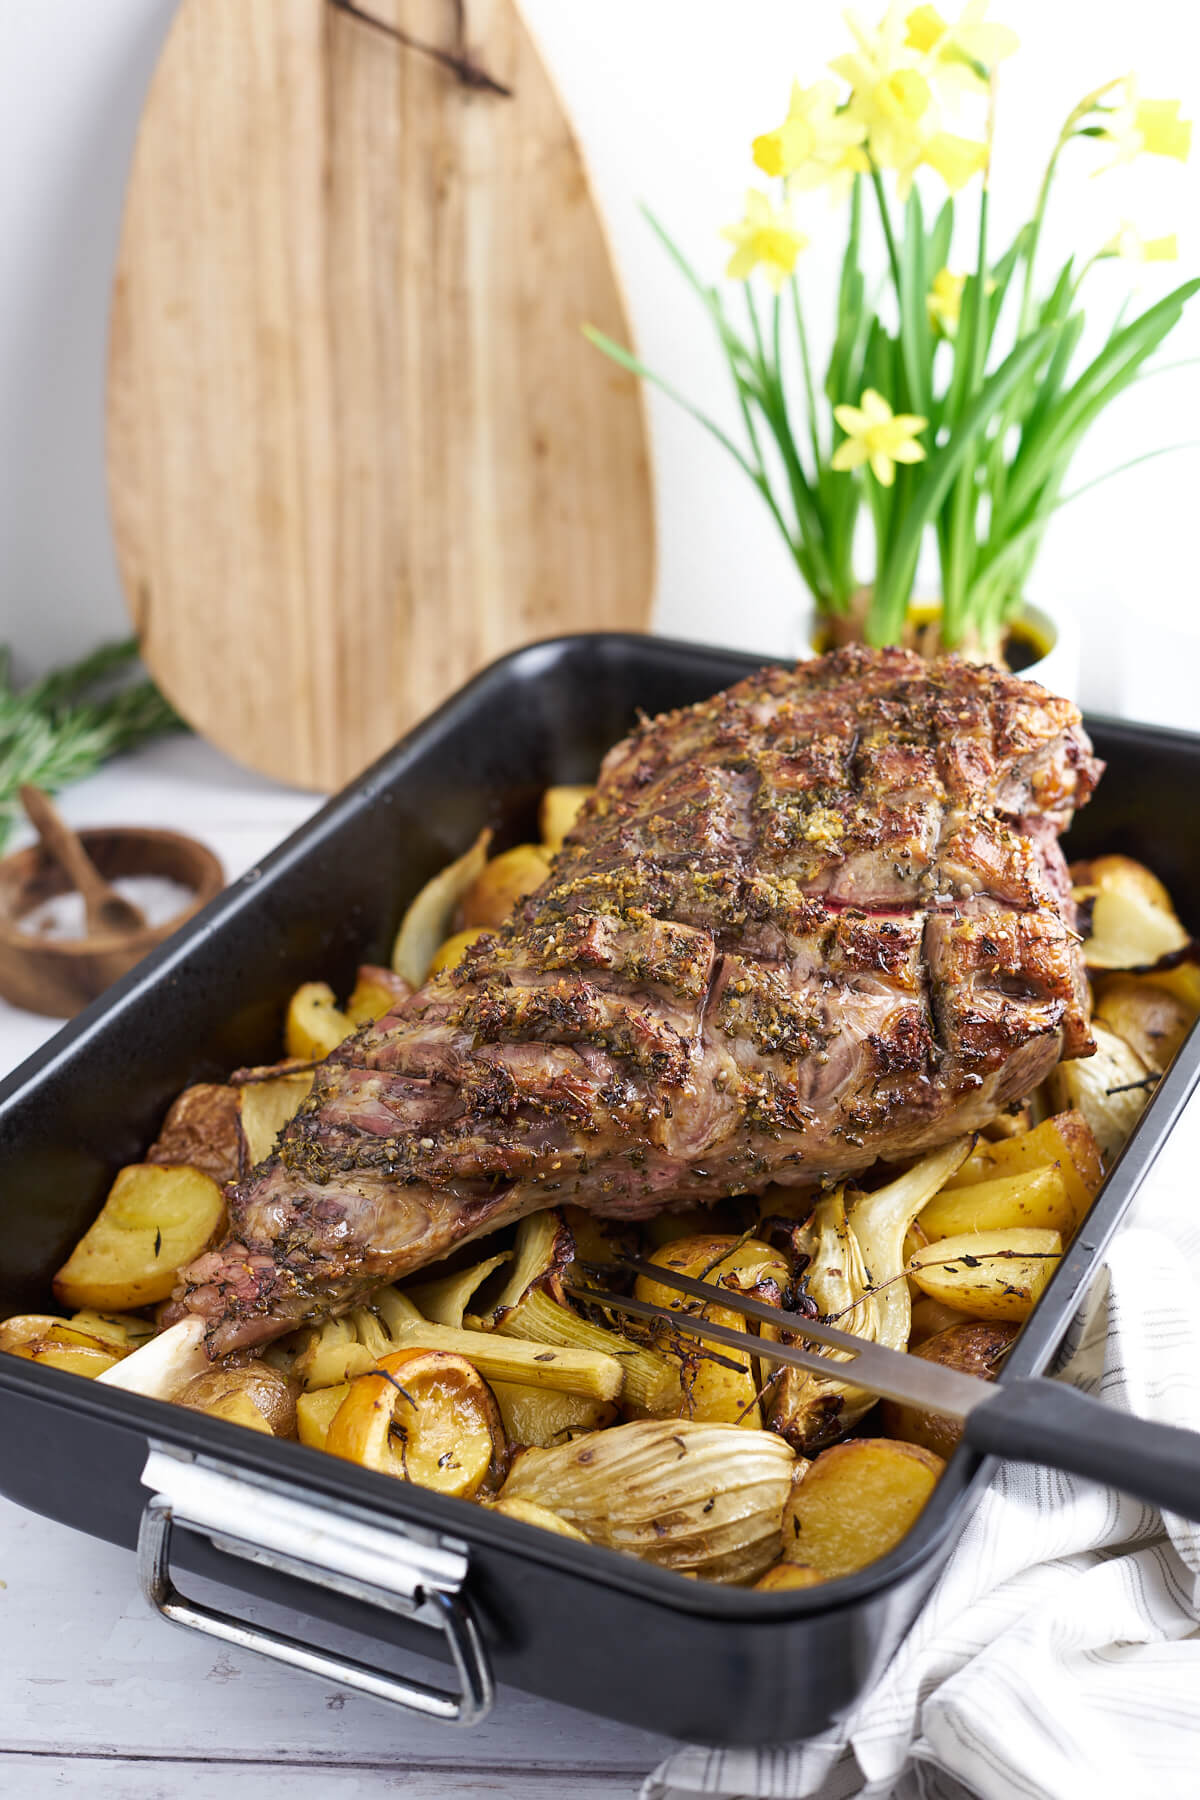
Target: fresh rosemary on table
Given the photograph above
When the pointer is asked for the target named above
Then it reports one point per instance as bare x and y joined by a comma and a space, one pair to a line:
63, 727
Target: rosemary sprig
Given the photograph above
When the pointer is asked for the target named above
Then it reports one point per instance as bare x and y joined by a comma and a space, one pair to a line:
63, 727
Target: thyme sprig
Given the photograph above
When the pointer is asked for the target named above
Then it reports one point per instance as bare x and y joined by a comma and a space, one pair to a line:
67, 724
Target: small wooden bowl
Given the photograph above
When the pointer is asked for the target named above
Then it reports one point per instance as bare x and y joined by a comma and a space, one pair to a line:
58, 976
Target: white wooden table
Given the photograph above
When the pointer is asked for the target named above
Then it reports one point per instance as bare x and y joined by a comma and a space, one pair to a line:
100, 1698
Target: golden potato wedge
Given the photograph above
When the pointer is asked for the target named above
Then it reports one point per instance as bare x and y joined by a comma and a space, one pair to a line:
1182, 981
1133, 922
376, 990
265, 1107
1066, 1140
451, 953
721, 1259
1122, 872
314, 1025
124, 1331
931, 1316
1128, 932
503, 881
237, 1408
856, 1503
155, 1220
57, 1344
991, 1274
316, 1412
88, 1360
201, 1130
1152, 1021
711, 1389
425, 1416
535, 1415
531, 1514
558, 812
1036, 1197
32, 1328
1110, 1089
1011, 1121
260, 1386
785, 1575
977, 1348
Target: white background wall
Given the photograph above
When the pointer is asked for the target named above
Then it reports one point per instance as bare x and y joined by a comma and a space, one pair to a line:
666, 95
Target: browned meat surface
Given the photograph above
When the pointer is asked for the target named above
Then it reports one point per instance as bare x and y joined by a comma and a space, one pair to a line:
820, 918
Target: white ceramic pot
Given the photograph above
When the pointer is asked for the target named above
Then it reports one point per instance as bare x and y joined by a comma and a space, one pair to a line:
1058, 670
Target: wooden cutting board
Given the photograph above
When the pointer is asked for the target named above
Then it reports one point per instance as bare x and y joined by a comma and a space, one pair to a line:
357, 444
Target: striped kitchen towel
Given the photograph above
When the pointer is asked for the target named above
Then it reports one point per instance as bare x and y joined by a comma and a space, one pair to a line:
1058, 1657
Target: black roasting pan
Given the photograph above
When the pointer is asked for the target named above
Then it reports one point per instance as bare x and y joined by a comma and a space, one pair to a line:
278, 1522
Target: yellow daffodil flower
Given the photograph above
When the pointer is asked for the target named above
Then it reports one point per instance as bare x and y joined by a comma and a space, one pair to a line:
955, 159
1162, 131
889, 95
1131, 246
815, 143
963, 53
924, 27
878, 436
1145, 127
894, 112
879, 53
944, 301
892, 97
765, 238
834, 172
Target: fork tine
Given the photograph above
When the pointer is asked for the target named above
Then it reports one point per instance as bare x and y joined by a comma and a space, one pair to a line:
870, 1366
711, 1293
711, 1331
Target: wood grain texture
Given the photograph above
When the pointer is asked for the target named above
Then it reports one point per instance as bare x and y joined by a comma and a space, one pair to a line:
357, 445
100, 1699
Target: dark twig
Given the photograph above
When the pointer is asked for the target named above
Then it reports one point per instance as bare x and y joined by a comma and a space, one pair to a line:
1131, 1087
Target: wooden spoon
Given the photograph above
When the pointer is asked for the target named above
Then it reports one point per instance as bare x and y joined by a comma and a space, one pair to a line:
105, 909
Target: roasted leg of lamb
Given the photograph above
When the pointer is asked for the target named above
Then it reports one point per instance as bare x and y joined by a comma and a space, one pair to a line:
820, 918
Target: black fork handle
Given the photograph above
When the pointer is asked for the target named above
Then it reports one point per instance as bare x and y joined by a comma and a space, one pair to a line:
1052, 1423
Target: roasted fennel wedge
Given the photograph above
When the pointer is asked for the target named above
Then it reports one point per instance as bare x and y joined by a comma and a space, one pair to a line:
855, 1279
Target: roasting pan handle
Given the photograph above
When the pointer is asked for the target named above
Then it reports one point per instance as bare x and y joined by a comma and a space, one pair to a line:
408, 1572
